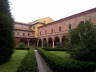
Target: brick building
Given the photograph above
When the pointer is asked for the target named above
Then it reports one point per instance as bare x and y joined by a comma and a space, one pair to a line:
23, 33
28, 33
53, 33
48, 32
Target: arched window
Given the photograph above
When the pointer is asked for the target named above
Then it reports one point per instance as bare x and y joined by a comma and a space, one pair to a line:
51, 30
59, 28
45, 32
18, 33
28, 34
82, 22
69, 26
23, 34
39, 33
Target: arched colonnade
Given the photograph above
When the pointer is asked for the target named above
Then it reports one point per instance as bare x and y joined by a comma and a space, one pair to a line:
51, 42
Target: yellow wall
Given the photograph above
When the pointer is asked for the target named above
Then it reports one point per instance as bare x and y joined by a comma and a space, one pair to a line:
36, 24
35, 28
45, 20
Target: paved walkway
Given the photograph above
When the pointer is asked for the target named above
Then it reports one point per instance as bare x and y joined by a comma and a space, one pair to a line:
42, 66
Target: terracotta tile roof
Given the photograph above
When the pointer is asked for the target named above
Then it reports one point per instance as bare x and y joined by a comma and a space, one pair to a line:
37, 23
22, 23
73, 16
24, 30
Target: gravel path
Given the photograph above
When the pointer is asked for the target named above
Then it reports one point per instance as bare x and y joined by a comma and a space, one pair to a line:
42, 65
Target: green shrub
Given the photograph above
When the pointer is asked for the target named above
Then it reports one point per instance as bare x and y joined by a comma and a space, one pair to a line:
82, 41
21, 45
55, 49
22, 48
6, 32
29, 63
59, 64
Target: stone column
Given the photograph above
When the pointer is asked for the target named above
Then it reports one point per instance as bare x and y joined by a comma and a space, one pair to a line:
53, 45
37, 43
42, 43
60, 39
28, 42
47, 41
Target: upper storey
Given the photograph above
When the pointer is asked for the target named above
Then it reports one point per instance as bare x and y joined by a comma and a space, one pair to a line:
23, 30
45, 20
38, 23
62, 26
22, 26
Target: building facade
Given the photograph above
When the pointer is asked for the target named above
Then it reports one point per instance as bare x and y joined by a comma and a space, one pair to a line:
28, 33
50, 33
38, 23
23, 33
53, 34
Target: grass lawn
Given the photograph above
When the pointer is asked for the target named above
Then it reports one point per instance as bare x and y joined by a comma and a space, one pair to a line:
62, 54
14, 63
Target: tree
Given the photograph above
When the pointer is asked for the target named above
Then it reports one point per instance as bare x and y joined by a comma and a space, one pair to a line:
6, 32
83, 40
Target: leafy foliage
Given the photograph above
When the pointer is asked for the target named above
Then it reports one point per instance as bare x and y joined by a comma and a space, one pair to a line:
83, 40
21, 45
15, 61
29, 63
56, 49
59, 64
6, 32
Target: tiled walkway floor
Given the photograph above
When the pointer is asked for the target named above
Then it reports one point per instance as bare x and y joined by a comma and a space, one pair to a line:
42, 65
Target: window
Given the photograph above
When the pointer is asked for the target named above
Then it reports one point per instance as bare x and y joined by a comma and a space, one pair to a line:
28, 34
51, 30
45, 32
44, 21
59, 28
18, 33
40, 33
33, 27
30, 27
69, 26
23, 34
82, 22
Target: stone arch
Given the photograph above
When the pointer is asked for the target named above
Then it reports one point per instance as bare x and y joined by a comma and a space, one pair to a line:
18, 40
44, 43
33, 42
39, 43
70, 26
63, 41
23, 40
50, 42
57, 42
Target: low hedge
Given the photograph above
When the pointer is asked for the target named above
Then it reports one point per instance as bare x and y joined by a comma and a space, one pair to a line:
22, 48
29, 63
55, 49
59, 64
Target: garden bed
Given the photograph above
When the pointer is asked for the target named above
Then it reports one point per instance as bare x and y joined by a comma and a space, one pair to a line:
14, 62
22, 48
56, 49
65, 63
29, 63
62, 54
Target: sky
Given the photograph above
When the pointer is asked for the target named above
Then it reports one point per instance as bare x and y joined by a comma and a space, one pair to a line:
31, 10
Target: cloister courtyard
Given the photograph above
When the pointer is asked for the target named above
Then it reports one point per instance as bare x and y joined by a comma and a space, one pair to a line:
46, 45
